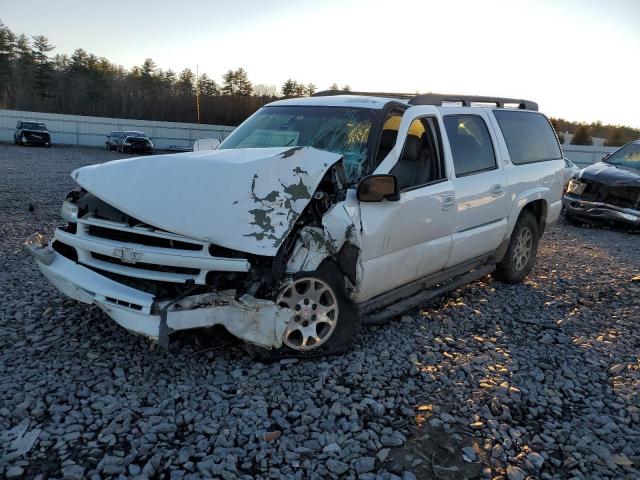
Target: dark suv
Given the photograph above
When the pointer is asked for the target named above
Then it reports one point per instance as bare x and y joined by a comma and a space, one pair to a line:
608, 190
32, 133
135, 142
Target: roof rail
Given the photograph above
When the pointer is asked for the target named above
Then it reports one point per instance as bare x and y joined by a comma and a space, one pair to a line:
466, 100
330, 93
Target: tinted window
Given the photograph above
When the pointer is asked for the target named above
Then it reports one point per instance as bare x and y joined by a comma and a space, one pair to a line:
470, 144
529, 136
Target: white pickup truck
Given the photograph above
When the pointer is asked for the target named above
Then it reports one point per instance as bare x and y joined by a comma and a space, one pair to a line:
314, 215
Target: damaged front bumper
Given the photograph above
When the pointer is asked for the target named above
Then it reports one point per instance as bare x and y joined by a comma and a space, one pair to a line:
600, 211
254, 320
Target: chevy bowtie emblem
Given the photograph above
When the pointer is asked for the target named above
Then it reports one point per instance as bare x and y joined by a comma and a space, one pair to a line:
127, 255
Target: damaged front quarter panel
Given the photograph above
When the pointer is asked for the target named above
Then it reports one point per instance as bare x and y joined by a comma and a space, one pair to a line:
339, 238
254, 320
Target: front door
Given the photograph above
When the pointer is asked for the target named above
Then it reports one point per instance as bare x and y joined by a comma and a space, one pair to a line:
407, 239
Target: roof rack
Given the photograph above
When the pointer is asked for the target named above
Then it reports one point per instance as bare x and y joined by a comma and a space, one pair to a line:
438, 98
467, 100
331, 93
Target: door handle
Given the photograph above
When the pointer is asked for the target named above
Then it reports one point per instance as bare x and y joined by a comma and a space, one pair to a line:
497, 190
448, 202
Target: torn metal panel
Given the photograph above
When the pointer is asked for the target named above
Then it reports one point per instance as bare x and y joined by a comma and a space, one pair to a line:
257, 321
261, 322
315, 244
312, 247
246, 199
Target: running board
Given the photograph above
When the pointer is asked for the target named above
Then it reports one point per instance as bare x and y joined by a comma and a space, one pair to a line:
405, 304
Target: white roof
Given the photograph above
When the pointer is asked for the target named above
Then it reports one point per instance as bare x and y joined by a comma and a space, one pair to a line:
337, 101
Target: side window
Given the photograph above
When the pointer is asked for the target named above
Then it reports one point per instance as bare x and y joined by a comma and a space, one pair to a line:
470, 143
420, 162
528, 135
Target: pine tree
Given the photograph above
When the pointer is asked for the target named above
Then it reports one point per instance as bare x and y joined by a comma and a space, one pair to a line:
7, 56
148, 68
186, 82
207, 87
44, 68
23, 50
236, 82
582, 136
310, 89
615, 138
289, 88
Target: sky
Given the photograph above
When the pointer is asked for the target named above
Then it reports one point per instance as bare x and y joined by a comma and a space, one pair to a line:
579, 59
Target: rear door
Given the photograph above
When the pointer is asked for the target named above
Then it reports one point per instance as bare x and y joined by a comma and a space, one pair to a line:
407, 239
481, 205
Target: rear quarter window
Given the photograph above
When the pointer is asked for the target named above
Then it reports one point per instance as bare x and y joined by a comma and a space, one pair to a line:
529, 136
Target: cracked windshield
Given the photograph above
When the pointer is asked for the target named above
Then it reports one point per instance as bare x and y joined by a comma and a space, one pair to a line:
335, 129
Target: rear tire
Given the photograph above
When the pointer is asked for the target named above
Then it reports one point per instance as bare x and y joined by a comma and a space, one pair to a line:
322, 309
521, 253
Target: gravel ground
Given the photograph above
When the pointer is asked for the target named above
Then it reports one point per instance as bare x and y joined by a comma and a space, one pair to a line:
538, 380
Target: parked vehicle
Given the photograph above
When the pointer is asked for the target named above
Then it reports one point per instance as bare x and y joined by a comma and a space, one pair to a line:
114, 139
31, 133
314, 215
135, 142
608, 190
570, 170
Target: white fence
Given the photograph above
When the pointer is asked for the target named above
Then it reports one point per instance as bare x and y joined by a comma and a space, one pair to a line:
92, 131
585, 155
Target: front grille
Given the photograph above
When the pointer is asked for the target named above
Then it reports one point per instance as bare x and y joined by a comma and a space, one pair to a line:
140, 238
146, 266
623, 197
65, 250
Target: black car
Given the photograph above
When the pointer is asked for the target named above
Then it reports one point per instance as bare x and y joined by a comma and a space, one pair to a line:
31, 133
114, 139
135, 142
608, 190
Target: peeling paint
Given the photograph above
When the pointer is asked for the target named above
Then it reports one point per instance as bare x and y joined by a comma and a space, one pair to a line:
298, 191
253, 197
291, 152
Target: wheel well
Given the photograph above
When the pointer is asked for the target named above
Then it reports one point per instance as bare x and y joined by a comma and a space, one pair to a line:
539, 209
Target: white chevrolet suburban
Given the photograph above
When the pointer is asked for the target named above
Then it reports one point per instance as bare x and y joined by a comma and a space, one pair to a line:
314, 215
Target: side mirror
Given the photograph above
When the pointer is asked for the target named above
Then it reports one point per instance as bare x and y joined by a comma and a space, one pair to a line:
376, 188
206, 144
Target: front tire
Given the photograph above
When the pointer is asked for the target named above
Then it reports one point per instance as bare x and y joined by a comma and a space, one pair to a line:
325, 319
522, 250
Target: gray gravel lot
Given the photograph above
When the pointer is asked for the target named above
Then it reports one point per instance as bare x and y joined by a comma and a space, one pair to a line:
538, 380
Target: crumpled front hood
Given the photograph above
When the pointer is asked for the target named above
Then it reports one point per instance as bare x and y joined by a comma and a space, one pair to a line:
610, 175
244, 199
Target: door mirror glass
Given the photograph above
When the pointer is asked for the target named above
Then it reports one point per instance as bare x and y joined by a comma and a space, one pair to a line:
376, 188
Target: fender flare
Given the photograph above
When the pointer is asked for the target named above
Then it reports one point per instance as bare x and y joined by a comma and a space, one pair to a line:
522, 200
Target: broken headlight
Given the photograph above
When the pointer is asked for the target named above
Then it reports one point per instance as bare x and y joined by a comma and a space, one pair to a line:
576, 187
36, 243
69, 212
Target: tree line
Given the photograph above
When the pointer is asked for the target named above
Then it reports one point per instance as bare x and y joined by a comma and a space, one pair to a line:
33, 79
583, 133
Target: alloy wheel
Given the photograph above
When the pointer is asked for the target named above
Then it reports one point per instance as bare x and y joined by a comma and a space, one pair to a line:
315, 312
522, 251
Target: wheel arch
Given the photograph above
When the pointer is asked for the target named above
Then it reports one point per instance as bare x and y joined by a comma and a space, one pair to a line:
534, 200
